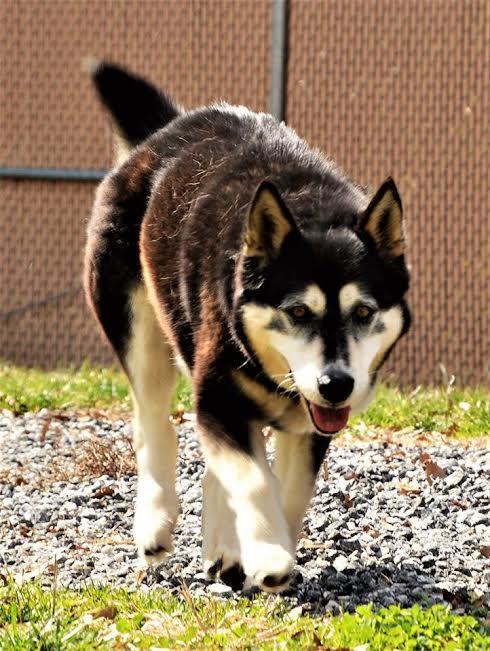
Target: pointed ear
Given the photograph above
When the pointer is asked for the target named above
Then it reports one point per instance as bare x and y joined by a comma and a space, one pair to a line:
269, 222
383, 220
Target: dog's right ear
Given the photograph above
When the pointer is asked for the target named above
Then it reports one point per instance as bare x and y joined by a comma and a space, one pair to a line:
383, 220
269, 223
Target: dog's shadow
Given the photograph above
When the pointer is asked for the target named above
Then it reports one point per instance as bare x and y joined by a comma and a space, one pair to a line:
383, 585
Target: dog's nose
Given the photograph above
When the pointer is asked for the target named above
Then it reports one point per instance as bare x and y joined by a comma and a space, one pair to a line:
335, 385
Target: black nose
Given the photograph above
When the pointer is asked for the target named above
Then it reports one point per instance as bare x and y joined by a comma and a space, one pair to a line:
335, 385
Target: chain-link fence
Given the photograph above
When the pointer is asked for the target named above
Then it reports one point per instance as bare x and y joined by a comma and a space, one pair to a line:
383, 86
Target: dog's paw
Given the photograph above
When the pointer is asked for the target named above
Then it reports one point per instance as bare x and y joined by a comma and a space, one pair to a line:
229, 572
268, 566
221, 557
153, 529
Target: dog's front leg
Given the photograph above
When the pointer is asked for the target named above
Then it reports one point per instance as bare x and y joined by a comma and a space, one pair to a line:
220, 547
298, 459
243, 477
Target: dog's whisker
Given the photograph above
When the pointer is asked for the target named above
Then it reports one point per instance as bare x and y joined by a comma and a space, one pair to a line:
288, 389
286, 381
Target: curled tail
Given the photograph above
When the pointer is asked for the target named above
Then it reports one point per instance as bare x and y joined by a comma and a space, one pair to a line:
137, 107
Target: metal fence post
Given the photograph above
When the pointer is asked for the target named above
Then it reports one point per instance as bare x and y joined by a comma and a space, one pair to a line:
279, 44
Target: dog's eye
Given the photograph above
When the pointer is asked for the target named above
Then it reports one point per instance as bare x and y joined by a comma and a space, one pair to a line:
363, 313
299, 313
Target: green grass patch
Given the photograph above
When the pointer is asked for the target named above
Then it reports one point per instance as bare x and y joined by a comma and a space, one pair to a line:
452, 411
30, 389
101, 618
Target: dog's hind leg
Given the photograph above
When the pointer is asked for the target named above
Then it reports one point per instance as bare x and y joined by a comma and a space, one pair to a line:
298, 459
152, 374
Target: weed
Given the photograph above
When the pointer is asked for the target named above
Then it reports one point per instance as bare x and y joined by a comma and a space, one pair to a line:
33, 618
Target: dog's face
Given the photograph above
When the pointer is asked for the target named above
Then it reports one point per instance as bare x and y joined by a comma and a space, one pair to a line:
322, 310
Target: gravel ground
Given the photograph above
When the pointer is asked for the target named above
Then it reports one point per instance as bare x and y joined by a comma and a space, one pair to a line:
391, 524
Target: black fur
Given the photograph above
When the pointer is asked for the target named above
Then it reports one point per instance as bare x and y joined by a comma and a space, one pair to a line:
112, 263
138, 108
182, 202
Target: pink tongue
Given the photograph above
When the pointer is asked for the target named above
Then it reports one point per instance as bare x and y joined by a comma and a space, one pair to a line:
327, 419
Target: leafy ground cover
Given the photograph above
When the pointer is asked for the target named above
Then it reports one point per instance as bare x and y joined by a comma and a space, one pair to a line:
451, 411
100, 618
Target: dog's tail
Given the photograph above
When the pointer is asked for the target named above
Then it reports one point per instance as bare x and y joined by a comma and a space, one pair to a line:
137, 107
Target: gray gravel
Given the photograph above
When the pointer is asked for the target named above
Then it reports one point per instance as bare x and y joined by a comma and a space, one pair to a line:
377, 531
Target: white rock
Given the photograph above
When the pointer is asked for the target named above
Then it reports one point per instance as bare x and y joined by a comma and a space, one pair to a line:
340, 563
219, 589
455, 478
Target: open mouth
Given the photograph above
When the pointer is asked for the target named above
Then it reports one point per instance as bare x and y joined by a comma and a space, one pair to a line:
327, 419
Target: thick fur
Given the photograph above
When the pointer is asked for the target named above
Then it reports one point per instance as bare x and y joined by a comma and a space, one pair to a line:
226, 242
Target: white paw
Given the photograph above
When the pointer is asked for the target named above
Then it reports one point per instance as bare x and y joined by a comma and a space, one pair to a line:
153, 528
268, 566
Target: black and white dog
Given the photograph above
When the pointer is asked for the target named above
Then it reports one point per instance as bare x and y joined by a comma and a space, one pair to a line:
223, 243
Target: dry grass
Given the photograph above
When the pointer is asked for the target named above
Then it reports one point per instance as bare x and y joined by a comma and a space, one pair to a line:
92, 457
99, 458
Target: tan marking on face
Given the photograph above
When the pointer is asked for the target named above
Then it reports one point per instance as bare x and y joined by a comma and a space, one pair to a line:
290, 416
365, 355
277, 315
256, 318
393, 322
315, 299
349, 295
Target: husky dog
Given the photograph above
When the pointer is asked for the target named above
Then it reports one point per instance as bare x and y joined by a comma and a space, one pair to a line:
223, 242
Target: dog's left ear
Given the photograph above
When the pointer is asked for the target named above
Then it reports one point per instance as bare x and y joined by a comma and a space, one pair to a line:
269, 223
383, 220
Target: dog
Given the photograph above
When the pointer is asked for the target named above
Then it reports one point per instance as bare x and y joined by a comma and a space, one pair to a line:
222, 243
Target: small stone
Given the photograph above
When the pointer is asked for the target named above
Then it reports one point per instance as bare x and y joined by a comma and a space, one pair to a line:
454, 479
333, 607
427, 560
478, 518
294, 613
201, 576
219, 589
340, 563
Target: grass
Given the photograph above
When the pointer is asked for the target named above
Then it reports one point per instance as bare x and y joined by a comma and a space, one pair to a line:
101, 618
460, 412
32, 617
30, 389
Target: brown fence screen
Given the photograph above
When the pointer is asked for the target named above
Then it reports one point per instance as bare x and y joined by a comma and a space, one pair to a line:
198, 50
390, 87
383, 86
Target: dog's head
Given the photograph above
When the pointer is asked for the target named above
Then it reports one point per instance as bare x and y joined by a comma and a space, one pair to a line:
321, 310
